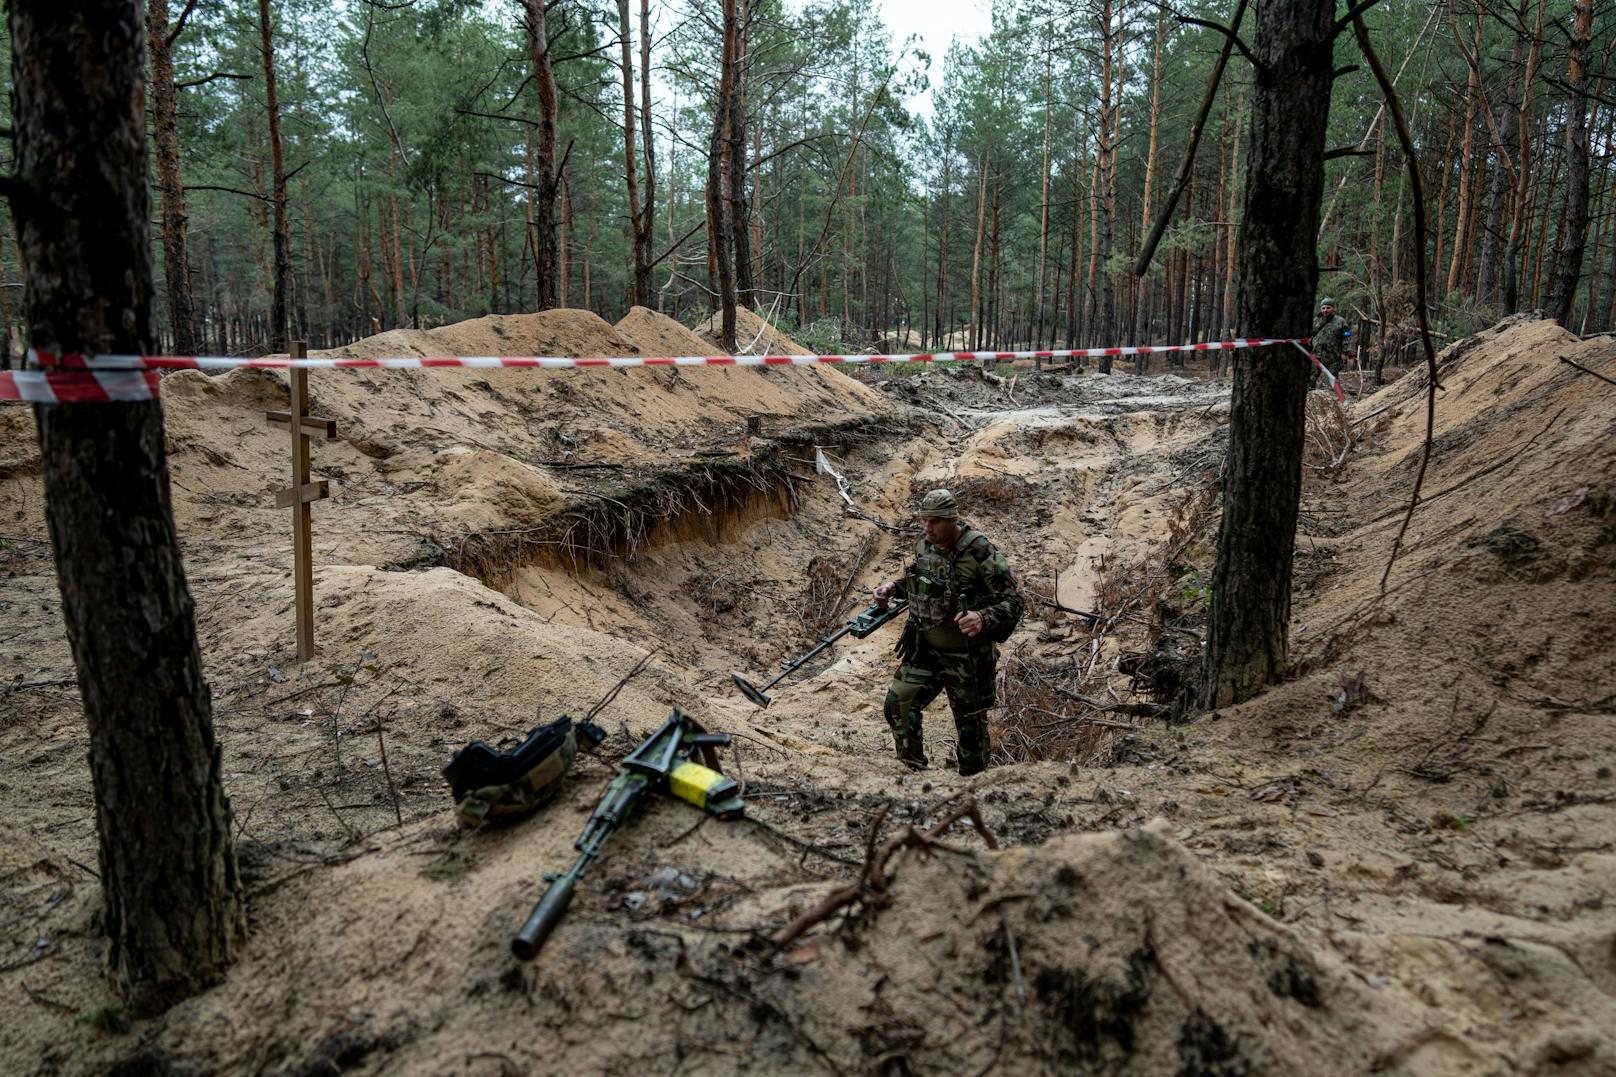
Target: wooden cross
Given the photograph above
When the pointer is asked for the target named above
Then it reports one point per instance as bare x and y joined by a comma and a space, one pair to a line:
302, 492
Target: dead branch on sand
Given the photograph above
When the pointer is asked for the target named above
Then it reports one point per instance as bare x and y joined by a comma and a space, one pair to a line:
872, 881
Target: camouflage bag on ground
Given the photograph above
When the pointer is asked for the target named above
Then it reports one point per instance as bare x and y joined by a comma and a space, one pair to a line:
507, 783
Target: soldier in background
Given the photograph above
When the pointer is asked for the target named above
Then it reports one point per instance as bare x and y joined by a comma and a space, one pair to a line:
1329, 339
963, 602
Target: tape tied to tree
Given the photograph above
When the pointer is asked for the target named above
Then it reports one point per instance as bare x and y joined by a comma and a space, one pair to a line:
72, 379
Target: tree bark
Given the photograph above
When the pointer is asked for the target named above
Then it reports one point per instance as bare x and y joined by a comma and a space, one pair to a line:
283, 234
1106, 161
720, 174
1568, 257
172, 898
648, 206
544, 223
1043, 201
639, 220
976, 252
1461, 227
165, 129
735, 160
1141, 323
1500, 188
944, 329
1523, 171
1247, 646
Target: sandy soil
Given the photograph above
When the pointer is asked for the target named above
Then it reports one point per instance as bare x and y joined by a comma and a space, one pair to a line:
753, 336
1413, 878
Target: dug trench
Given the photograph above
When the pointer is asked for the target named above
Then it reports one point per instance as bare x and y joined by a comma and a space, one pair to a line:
1399, 861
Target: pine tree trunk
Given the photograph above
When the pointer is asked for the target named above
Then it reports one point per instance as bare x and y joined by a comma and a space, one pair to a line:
1568, 254
1043, 201
1445, 167
310, 264
1080, 164
564, 245
1461, 227
1499, 189
639, 221
170, 184
544, 224
735, 161
1536, 248
944, 330
5, 306
283, 231
648, 204
1141, 323
976, 252
172, 899
1106, 162
1523, 170
1247, 646
720, 201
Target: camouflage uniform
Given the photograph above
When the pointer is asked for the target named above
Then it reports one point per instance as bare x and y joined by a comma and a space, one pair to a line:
937, 657
1329, 342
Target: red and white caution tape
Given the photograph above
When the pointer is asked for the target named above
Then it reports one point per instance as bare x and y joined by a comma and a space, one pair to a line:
69, 378
78, 386
1335, 382
51, 360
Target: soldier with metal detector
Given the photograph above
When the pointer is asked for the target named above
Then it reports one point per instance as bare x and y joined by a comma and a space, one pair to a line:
963, 601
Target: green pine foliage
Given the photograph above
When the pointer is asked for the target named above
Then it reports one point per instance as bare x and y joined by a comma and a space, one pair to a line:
408, 134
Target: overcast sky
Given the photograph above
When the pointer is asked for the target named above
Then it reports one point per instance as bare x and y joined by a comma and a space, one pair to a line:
936, 22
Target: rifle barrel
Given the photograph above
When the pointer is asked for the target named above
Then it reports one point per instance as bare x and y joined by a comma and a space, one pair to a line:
546, 914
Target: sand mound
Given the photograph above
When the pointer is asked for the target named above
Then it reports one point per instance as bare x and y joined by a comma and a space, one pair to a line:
658, 334
753, 335
552, 332
1057, 956
1115, 953
563, 331
394, 342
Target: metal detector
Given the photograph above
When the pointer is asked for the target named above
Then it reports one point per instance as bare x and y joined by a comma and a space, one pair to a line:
859, 627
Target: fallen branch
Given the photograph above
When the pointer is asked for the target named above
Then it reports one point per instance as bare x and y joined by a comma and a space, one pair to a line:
1389, 92
639, 667
872, 881
20, 685
1585, 370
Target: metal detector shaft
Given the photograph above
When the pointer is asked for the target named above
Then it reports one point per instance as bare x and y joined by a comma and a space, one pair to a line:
860, 626
820, 646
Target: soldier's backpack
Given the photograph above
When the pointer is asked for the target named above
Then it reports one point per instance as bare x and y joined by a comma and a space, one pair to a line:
507, 783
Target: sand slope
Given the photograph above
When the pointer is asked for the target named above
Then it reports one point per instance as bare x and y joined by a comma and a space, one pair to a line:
1418, 883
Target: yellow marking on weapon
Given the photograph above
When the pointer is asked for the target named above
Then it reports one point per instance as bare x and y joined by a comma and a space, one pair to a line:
692, 782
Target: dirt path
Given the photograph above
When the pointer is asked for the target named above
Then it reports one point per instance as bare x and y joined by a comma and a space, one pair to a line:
1416, 879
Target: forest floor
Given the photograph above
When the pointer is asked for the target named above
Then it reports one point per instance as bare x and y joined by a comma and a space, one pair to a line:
1399, 861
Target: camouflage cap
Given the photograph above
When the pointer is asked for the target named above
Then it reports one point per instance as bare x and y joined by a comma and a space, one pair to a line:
939, 505
1326, 302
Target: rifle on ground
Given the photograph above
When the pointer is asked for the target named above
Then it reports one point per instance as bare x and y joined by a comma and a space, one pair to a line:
666, 762
858, 627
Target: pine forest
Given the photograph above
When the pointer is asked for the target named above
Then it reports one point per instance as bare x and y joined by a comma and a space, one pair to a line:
419, 163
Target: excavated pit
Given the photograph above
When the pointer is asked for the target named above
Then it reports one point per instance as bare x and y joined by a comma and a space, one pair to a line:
1399, 861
